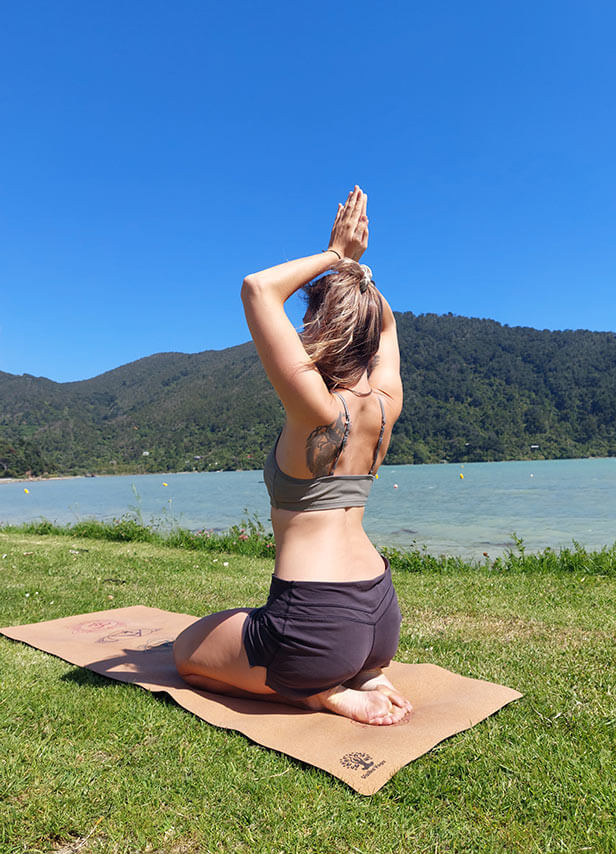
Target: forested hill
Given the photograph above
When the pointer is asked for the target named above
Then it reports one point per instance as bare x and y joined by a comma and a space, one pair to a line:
474, 390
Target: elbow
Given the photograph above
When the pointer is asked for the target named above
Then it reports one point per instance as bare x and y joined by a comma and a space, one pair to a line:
249, 288
254, 289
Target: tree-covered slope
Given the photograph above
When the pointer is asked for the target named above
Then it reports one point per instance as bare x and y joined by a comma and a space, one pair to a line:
474, 390
477, 390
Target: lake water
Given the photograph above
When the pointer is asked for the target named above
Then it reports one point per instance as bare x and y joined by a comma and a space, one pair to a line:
547, 503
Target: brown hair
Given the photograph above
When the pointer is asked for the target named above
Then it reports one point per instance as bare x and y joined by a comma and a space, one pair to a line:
342, 324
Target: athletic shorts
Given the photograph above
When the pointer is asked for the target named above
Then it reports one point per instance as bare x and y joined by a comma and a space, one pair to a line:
314, 635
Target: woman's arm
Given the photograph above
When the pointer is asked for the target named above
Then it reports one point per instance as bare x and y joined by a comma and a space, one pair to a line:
349, 239
385, 376
281, 281
297, 381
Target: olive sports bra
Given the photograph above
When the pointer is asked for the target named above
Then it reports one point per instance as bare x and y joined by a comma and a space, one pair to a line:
321, 493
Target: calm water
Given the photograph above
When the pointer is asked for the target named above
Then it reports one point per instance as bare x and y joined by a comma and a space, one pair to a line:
547, 503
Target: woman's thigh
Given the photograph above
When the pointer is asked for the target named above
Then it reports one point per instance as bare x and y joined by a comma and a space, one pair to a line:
212, 648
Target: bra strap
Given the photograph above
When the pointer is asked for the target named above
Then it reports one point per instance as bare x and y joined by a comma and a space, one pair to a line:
347, 427
378, 444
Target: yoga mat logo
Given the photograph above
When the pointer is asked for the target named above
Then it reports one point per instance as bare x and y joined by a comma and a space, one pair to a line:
360, 762
90, 626
126, 633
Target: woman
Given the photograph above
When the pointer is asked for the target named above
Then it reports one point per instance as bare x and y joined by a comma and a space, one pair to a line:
332, 620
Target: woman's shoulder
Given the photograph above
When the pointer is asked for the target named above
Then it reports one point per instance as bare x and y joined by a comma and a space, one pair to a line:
391, 399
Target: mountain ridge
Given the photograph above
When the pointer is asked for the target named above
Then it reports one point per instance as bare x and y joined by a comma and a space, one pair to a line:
475, 389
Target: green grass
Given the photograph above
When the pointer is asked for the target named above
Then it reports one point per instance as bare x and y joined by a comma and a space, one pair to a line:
251, 538
88, 764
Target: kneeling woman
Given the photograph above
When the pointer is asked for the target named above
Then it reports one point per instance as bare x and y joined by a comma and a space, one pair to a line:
332, 620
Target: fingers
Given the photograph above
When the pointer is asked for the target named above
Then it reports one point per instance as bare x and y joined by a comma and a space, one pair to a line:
346, 209
353, 208
350, 227
356, 201
356, 204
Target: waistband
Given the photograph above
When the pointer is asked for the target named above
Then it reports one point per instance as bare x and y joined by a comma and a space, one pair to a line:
363, 585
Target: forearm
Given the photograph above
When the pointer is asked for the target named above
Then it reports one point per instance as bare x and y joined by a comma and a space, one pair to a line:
284, 279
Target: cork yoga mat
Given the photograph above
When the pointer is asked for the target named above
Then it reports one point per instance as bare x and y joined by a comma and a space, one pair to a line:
134, 645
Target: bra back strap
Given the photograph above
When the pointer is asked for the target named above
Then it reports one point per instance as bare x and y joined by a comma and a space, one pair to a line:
379, 443
347, 427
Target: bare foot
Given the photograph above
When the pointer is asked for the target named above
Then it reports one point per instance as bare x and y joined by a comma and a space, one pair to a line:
375, 680
374, 707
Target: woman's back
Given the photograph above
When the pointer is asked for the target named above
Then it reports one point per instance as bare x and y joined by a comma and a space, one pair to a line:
354, 443
319, 478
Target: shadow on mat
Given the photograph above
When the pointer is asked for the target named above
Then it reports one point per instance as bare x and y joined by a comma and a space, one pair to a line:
153, 668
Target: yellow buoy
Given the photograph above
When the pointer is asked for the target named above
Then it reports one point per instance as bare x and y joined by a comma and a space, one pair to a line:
26, 490
461, 476
165, 484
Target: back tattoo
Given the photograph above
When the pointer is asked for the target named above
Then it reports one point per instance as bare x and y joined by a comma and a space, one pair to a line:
322, 446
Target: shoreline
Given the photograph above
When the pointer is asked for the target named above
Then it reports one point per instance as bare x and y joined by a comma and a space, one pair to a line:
43, 479
52, 477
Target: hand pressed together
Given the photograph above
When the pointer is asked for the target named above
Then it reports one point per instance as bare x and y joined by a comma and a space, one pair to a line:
349, 235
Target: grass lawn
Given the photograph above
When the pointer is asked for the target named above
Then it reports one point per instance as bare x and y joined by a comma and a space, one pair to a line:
89, 764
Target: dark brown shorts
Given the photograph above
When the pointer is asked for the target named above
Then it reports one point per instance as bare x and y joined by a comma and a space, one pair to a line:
314, 635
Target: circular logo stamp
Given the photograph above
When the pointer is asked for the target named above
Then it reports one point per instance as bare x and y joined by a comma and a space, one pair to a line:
92, 626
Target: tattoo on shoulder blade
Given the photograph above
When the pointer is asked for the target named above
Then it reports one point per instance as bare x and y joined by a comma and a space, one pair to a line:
322, 445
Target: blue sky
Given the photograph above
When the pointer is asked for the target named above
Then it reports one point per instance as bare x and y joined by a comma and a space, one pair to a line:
153, 153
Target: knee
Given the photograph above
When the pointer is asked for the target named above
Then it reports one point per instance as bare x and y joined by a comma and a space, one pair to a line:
181, 654
189, 648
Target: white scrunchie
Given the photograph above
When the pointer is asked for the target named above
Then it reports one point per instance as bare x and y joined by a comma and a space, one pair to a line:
366, 278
